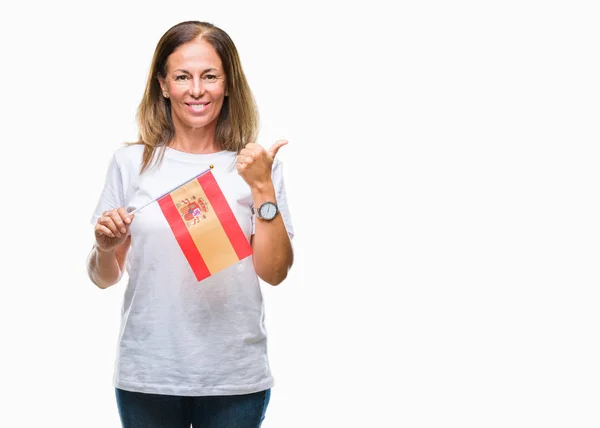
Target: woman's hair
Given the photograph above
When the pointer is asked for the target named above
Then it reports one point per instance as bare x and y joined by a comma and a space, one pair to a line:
237, 123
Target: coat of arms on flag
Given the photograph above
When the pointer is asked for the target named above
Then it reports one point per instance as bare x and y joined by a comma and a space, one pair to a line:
204, 225
192, 209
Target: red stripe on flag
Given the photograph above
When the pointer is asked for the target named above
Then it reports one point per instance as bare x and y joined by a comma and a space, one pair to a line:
184, 239
228, 221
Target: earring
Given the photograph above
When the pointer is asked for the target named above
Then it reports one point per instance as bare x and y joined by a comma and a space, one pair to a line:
165, 95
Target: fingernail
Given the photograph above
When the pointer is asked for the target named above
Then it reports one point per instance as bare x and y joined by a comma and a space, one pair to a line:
123, 230
127, 219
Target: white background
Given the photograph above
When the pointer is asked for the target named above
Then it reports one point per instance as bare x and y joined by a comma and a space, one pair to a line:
443, 178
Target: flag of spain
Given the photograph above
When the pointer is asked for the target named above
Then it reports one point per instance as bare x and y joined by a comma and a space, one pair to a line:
204, 225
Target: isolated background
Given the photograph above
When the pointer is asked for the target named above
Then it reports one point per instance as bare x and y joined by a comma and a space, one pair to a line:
443, 178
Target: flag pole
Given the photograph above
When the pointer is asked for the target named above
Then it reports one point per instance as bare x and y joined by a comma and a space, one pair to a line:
166, 193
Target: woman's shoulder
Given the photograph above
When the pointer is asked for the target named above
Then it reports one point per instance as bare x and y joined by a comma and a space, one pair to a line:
129, 156
129, 151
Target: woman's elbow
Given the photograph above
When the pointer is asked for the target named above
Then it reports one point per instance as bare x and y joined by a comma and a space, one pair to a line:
101, 284
100, 281
275, 278
274, 275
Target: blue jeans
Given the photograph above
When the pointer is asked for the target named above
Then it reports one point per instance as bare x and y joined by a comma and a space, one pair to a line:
138, 410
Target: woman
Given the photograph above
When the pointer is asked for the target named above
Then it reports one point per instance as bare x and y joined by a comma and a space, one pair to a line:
192, 352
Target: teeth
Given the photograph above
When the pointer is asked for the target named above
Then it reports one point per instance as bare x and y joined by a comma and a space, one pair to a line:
197, 106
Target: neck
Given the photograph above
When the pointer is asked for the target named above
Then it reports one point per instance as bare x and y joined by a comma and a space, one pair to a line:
195, 140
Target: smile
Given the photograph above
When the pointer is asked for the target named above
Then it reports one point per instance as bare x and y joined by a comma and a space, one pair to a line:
197, 107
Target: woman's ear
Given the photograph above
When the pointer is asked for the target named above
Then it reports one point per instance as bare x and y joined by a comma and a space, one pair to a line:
163, 86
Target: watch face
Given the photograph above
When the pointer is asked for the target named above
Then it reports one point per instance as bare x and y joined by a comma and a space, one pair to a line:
268, 210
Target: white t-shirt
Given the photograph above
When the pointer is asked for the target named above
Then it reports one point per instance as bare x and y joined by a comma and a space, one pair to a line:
179, 336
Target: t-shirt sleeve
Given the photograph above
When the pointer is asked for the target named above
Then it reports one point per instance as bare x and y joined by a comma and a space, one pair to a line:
112, 195
281, 196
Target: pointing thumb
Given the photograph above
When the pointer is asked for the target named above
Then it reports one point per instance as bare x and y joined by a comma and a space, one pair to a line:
275, 147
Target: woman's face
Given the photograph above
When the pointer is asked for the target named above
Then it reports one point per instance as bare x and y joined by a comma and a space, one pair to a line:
195, 83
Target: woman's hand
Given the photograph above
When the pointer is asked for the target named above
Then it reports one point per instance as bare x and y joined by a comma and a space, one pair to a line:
255, 162
112, 228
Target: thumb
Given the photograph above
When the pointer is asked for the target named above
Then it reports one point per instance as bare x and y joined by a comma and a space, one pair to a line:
275, 147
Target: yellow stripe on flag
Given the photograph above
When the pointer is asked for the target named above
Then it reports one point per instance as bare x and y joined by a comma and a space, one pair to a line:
208, 234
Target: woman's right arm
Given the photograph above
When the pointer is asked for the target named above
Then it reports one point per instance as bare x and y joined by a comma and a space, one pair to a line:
106, 261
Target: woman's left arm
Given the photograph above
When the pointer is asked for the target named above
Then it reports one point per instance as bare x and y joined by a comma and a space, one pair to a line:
271, 245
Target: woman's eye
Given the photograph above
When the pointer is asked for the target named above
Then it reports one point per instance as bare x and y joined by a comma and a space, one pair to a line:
182, 77
210, 77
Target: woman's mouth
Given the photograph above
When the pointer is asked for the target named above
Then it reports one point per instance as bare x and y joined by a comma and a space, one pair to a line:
197, 107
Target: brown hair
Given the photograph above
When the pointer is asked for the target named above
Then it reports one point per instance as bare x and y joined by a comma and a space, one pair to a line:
237, 124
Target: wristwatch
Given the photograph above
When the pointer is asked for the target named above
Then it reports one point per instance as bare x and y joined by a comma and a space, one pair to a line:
267, 211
